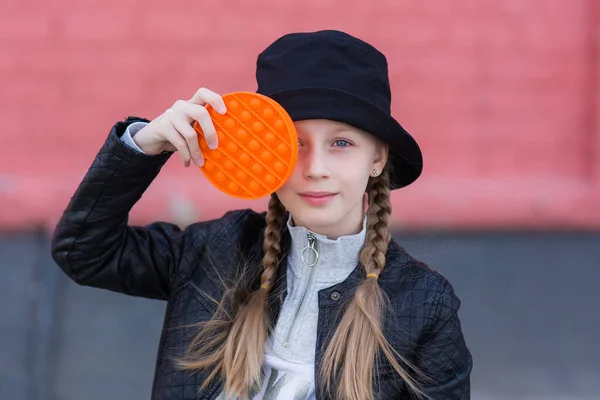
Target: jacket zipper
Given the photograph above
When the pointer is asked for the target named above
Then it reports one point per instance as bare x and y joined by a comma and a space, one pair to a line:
310, 249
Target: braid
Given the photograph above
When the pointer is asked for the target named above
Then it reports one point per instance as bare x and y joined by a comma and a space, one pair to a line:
349, 358
378, 235
244, 350
233, 347
271, 244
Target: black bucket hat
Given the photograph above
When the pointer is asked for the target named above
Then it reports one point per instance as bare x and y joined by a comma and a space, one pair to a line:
332, 75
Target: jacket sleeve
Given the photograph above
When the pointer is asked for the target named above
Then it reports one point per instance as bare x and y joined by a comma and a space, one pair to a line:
130, 132
93, 243
444, 357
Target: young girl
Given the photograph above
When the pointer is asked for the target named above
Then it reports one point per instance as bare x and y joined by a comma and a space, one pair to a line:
312, 299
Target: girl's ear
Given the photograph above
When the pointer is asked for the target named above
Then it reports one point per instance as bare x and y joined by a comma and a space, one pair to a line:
380, 159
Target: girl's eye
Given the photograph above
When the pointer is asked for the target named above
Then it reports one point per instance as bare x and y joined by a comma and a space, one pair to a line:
341, 143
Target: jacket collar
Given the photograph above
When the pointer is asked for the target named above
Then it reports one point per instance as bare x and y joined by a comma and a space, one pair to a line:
396, 258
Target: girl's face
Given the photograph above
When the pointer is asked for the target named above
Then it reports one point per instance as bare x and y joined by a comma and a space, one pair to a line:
326, 190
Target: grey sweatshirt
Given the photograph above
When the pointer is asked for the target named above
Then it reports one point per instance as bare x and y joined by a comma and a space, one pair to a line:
290, 350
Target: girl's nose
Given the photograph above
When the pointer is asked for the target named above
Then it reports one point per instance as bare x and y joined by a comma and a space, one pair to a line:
315, 165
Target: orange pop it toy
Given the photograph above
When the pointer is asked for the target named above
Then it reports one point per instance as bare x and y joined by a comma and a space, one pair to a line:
258, 146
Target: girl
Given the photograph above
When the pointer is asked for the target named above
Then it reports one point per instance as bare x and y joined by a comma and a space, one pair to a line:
312, 299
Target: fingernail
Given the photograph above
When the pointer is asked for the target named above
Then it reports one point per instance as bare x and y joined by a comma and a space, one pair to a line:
222, 110
213, 145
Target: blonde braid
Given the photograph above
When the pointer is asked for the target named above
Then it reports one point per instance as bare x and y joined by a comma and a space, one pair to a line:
350, 357
271, 244
244, 350
378, 236
233, 348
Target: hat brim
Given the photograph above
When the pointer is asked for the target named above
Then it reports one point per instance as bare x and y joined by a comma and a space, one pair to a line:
405, 156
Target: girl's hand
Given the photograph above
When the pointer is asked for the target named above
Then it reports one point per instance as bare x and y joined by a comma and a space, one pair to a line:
173, 131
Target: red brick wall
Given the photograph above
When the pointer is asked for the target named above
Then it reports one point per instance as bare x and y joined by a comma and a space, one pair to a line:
503, 96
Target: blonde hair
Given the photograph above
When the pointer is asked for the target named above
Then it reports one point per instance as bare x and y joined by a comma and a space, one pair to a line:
232, 343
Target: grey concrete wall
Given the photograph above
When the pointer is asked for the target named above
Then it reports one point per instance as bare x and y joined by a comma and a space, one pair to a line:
530, 316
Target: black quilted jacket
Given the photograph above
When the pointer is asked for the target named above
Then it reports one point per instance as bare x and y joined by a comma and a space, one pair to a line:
94, 245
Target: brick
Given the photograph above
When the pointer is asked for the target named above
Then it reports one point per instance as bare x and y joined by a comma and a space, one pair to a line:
24, 91
8, 59
105, 88
177, 24
537, 160
16, 26
93, 24
85, 59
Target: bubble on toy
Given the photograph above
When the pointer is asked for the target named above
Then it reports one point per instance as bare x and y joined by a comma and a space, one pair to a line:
270, 138
233, 105
270, 179
230, 124
255, 104
246, 116
279, 125
233, 187
209, 166
229, 165
282, 149
254, 187
241, 175
266, 156
257, 169
279, 167
242, 135
268, 114
258, 127
221, 177
245, 158
254, 145
232, 148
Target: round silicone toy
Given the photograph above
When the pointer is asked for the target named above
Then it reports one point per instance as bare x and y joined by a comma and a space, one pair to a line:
257, 150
